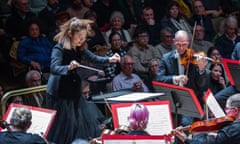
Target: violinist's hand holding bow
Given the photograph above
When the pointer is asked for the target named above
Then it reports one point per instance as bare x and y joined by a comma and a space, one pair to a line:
202, 63
115, 58
180, 134
181, 79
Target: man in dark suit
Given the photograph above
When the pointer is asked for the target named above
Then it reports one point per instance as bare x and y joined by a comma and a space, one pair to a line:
174, 69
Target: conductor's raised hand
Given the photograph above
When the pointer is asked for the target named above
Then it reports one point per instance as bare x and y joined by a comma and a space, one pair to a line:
115, 58
73, 64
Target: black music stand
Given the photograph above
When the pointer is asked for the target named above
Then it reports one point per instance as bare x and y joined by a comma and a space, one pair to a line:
183, 100
232, 68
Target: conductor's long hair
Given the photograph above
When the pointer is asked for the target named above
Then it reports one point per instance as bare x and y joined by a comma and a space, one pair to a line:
73, 25
138, 117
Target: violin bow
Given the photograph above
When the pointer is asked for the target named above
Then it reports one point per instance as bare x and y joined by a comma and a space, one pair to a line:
90, 68
105, 100
191, 44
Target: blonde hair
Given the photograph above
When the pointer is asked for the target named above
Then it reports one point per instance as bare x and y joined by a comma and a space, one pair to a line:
73, 25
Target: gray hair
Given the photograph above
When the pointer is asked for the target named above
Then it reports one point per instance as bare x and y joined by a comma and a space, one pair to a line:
230, 19
30, 73
234, 100
117, 14
166, 29
21, 118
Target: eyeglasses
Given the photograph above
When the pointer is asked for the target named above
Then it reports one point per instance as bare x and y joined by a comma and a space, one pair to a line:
183, 44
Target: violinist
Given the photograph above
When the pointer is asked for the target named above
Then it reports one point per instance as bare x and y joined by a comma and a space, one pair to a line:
138, 119
228, 134
20, 121
174, 69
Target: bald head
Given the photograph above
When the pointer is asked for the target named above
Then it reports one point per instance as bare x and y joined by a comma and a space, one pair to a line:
181, 41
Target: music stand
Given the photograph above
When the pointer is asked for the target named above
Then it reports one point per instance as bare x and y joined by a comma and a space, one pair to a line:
232, 68
183, 100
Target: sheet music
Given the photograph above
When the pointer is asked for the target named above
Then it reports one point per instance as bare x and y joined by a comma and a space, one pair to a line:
40, 121
159, 119
137, 96
214, 106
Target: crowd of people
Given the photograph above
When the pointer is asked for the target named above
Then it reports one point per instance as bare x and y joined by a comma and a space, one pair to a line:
128, 44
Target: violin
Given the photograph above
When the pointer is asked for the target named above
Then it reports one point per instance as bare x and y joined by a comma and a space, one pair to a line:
190, 57
207, 125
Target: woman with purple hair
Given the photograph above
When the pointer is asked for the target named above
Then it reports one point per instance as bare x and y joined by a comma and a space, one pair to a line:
138, 119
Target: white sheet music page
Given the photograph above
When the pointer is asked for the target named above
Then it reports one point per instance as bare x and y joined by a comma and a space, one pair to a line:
136, 96
41, 118
160, 121
213, 105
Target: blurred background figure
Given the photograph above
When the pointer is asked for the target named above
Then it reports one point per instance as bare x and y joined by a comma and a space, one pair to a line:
138, 119
153, 68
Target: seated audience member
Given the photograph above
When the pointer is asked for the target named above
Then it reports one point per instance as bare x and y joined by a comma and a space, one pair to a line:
153, 68
115, 40
127, 79
117, 21
20, 122
152, 27
229, 39
48, 18
228, 134
33, 79
138, 119
77, 9
214, 53
95, 40
35, 50
142, 52
199, 44
16, 24
202, 19
236, 52
175, 20
166, 45
14, 99
217, 80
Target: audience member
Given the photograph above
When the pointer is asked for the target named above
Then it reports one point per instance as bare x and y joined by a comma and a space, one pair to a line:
117, 21
175, 20
153, 28
225, 135
48, 18
236, 52
20, 121
95, 39
127, 79
217, 80
166, 37
35, 50
104, 9
201, 19
153, 68
142, 52
138, 119
199, 44
77, 9
173, 72
16, 24
228, 40
115, 40
214, 53
33, 79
